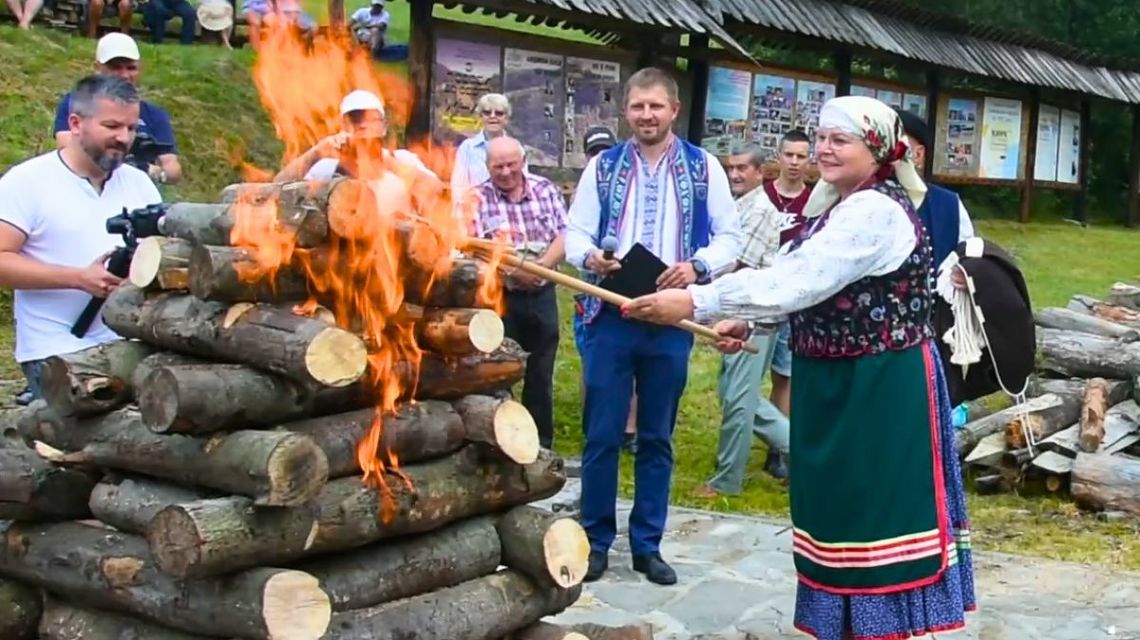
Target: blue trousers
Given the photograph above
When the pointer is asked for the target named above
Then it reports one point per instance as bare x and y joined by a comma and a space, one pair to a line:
619, 354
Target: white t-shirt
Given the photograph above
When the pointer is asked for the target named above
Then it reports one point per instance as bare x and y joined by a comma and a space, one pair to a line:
64, 219
364, 17
325, 168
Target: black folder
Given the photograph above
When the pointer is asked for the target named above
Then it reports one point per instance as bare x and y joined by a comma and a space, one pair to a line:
638, 274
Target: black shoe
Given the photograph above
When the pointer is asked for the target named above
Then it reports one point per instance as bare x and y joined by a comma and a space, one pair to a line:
655, 569
629, 443
599, 562
775, 466
24, 398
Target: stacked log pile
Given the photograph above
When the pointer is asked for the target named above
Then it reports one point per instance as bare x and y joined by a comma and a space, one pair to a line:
1083, 412
214, 473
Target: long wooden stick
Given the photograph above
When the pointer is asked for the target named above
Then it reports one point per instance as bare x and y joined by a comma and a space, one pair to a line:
511, 258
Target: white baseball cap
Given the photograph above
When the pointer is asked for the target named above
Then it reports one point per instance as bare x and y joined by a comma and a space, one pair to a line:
116, 45
361, 100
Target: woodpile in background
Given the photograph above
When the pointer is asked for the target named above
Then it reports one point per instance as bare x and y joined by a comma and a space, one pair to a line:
1082, 411
201, 476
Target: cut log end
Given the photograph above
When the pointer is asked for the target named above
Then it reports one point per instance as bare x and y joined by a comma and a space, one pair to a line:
336, 358
294, 606
298, 468
146, 262
516, 432
486, 331
158, 402
567, 550
174, 539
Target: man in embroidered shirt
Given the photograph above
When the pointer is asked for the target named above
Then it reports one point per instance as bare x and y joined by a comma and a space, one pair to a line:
531, 211
673, 198
744, 410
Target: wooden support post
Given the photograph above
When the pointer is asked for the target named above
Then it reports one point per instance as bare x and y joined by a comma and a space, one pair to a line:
336, 14
1080, 203
841, 60
421, 54
700, 71
1134, 171
933, 95
1030, 157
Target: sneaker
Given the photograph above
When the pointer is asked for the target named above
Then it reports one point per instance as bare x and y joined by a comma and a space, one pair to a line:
655, 568
775, 466
24, 398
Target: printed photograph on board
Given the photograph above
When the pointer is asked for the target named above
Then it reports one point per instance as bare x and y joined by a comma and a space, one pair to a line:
810, 98
534, 83
463, 72
726, 109
961, 134
593, 98
773, 101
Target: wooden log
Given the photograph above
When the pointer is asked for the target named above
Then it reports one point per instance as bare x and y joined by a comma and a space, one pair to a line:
1043, 422
552, 551
641, 631
32, 488
546, 631
161, 263
63, 621
271, 467
197, 223
128, 503
460, 332
112, 570
211, 537
297, 206
1125, 295
232, 274
1068, 405
1082, 355
307, 350
1069, 320
409, 566
501, 423
444, 378
1106, 482
1104, 311
1093, 408
94, 380
487, 607
152, 363
459, 287
20, 610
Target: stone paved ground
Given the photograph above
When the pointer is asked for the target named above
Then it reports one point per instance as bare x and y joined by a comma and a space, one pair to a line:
737, 583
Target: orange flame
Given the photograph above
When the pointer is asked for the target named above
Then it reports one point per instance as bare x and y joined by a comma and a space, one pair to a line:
392, 223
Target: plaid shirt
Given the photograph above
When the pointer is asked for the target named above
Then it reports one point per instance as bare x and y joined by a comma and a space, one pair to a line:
760, 223
538, 218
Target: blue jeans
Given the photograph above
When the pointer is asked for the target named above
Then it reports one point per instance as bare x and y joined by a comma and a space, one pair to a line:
32, 371
782, 356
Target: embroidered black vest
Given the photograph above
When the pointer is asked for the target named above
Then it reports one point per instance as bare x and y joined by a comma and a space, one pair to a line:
875, 314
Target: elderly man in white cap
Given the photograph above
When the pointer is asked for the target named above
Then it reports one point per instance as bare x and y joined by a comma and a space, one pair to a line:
154, 150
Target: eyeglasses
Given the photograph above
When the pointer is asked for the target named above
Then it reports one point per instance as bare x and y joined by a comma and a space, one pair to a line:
494, 112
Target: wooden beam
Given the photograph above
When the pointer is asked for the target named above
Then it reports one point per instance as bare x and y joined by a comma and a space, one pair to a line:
421, 54
699, 101
1030, 157
841, 60
1134, 171
933, 95
1080, 203
336, 14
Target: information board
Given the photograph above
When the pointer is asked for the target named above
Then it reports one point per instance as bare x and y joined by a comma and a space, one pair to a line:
462, 72
1000, 145
1048, 143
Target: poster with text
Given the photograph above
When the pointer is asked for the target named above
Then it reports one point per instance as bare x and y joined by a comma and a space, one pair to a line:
890, 98
915, 103
810, 98
463, 72
773, 103
1048, 143
726, 109
533, 82
1069, 156
961, 136
867, 92
1001, 139
593, 98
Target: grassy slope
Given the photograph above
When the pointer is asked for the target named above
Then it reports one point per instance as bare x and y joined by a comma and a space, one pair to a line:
216, 113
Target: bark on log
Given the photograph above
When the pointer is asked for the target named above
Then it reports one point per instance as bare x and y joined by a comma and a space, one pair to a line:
1085, 356
501, 423
1069, 320
1094, 406
113, 570
128, 503
487, 607
1106, 482
211, 537
409, 566
546, 631
152, 363
1118, 390
20, 610
298, 206
593, 631
442, 378
460, 332
1067, 404
1125, 295
94, 380
161, 263
32, 488
307, 350
70, 622
1044, 422
458, 288
552, 551
272, 467
232, 274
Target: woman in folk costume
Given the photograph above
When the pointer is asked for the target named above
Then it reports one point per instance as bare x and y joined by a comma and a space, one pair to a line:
881, 542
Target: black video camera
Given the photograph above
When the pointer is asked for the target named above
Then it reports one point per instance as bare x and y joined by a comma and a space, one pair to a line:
132, 225
145, 151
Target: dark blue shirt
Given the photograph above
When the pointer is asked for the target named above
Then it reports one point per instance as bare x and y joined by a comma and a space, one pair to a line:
153, 121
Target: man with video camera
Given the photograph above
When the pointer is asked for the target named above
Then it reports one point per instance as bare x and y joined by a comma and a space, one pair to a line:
154, 150
54, 209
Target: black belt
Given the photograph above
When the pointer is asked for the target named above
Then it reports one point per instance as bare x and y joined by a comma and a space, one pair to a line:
531, 292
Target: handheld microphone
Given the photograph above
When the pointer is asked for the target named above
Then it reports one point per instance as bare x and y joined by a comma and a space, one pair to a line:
609, 245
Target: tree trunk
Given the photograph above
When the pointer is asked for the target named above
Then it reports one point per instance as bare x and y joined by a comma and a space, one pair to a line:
299, 206
487, 607
1069, 320
161, 263
1094, 406
232, 274
32, 488
272, 467
460, 332
270, 338
129, 503
197, 223
1044, 421
69, 622
552, 551
20, 609
1084, 356
546, 631
152, 363
409, 566
218, 397
501, 423
458, 289
415, 432
113, 570
1107, 482
444, 378
94, 380
1068, 404
211, 537
1125, 295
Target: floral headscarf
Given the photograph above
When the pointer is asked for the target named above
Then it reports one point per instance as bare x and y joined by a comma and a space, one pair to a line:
882, 131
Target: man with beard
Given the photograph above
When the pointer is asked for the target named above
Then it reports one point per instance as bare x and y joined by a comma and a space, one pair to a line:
672, 198
54, 241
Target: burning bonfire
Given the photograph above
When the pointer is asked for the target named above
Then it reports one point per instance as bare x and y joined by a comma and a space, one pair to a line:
302, 433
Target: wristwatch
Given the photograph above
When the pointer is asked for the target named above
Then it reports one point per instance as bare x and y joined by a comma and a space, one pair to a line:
701, 269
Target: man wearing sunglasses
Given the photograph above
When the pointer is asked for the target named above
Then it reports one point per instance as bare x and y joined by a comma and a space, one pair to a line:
494, 110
